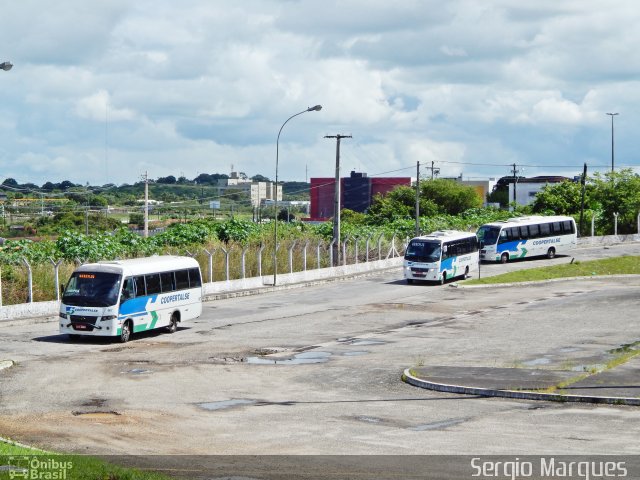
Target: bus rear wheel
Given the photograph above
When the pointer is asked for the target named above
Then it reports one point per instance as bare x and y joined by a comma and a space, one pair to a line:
125, 332
173, 324
504, 258
443, 278
551, 253
466, 273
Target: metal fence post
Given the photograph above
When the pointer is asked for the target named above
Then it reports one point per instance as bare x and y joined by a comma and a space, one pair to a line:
331, 247
355, 240
291, 256
380, 246
344, 250
304, 256
260, 259
244, 253
615, 223
318, 262
29, 281
226, 262
56, 276
210, 254
367, 248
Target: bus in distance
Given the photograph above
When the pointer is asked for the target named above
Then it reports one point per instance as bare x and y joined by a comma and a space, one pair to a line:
525, 237
441, 256
123, 297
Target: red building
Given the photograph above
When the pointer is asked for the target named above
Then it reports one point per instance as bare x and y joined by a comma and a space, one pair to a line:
356, 193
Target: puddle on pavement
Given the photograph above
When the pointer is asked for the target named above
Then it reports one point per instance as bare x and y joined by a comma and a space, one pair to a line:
355, 354
569, 349
138, 371
438, 425
360, 341
96, 415
297, 359
537, 361
591, 368
225, 404
368, 419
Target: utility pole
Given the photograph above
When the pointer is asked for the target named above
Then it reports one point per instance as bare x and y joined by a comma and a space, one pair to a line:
145, 178
417, 199
612, 115
515, 181
336, 202
583, 181
434, 170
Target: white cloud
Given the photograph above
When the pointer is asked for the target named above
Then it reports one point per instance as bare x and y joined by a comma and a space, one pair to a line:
98, 107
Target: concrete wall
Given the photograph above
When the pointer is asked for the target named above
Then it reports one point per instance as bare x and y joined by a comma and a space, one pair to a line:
223, 288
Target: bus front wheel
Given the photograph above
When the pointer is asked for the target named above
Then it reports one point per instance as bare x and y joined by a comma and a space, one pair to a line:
443, 278
125, 332
551, 253
409, 281
504, 258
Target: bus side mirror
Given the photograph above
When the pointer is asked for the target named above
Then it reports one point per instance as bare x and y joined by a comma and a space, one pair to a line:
445, 248
124, 296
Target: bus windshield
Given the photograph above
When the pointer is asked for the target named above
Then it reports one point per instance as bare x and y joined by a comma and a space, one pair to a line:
92, 289
423, 251
488, 235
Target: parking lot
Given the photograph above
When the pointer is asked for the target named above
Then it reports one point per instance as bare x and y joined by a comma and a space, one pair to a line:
317, 370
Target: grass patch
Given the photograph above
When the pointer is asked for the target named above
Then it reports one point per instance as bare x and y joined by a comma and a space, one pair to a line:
33, 463
608, 266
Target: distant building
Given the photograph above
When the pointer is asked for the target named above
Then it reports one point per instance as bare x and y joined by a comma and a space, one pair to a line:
356, 193
527, 188
256, 191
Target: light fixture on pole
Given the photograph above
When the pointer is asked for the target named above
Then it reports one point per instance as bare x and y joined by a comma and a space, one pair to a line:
317, 108
6, 66
612, 115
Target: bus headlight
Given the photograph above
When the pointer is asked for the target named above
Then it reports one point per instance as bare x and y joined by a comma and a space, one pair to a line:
63, 315
109, 317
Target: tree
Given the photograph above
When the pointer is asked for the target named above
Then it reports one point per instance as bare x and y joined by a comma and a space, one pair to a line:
169, 180
562, 198
398, 203
616, 192
259, 178
450, 196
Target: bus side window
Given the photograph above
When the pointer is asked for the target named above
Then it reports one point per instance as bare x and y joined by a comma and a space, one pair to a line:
153, 283
534, 231
556, 227
128, 290
194, 278
167, 281
182, 279
524, 232
545, 229
567, 226
141, 290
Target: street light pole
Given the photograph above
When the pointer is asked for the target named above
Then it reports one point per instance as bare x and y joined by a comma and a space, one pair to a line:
612, 115
6, 66
317, 108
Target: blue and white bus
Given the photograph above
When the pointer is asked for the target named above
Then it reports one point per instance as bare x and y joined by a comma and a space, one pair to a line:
440, 256
525, 237
119, 298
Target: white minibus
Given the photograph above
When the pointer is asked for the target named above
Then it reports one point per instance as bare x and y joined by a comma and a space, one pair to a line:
119, 298
440, 256
525, 237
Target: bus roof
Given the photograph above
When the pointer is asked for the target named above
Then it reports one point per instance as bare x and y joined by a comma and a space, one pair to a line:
141, 266
528, 220
444, 235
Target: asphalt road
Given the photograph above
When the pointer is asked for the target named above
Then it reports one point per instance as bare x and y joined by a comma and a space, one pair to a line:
330, 382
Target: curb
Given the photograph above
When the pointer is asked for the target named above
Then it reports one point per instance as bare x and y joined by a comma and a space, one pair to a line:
552, 280
407, 377
290, 286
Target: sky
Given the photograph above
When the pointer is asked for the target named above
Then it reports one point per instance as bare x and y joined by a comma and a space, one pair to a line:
104, 91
